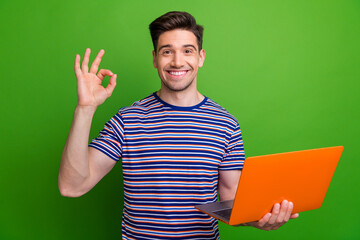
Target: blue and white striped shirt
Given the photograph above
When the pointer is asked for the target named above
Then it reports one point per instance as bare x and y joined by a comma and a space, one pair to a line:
171, 157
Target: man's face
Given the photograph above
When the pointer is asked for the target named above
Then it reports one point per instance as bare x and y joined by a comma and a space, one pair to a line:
178, 59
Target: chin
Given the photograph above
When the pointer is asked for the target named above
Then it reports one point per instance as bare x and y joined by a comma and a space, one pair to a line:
177, 88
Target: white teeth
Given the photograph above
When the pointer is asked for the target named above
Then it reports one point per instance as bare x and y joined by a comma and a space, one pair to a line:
177, 73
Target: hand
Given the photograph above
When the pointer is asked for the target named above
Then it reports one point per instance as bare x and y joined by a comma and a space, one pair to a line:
279, 216
89, 89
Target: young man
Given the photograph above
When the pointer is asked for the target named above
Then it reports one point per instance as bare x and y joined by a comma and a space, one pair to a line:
178, 147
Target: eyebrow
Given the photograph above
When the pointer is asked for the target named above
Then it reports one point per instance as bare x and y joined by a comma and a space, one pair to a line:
190, 45
169, 45
164, 46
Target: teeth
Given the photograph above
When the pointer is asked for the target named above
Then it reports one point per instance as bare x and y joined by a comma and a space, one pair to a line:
177, 73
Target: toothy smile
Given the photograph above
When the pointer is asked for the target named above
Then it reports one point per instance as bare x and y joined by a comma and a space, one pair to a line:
177, 74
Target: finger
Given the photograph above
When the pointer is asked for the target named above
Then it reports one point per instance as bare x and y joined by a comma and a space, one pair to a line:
264, 220
104, 72
95, 65
283, 211
77, 65
110, 87
274, 213
85, 63
295, 215
288, 214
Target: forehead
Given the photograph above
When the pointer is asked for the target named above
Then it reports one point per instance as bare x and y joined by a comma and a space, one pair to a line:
177, 38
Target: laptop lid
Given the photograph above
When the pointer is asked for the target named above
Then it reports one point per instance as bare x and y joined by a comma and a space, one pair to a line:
301, 177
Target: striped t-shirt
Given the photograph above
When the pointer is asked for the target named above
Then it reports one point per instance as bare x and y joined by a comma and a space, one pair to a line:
171, 157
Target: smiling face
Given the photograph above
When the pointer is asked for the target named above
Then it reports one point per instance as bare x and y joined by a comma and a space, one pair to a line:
178, 59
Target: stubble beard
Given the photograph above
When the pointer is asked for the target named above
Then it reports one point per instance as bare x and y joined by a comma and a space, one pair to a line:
177, 89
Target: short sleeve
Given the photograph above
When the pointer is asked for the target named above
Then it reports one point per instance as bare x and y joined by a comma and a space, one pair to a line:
111, 138
234, 156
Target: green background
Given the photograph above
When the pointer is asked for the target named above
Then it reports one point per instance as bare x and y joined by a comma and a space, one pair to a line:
289, 71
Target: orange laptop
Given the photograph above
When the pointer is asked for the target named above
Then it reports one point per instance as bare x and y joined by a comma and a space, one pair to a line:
301, 177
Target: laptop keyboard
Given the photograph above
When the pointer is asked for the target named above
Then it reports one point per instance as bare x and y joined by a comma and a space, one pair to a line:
225, 213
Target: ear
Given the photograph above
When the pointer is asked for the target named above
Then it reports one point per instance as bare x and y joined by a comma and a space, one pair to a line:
154, 59
202, 57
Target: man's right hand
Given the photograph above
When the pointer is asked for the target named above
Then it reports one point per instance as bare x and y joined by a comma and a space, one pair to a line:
89, 89
82, 167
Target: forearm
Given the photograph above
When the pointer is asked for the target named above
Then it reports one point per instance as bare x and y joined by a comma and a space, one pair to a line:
74, 166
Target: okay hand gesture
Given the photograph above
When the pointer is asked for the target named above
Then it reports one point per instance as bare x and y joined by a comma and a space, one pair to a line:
89, 90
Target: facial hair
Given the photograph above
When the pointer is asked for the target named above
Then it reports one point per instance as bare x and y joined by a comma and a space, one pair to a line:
177, 89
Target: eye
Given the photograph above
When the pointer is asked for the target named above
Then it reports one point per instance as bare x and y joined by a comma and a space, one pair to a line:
188, 51
166, 52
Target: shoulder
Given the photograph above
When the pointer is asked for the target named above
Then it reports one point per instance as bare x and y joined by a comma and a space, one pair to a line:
142, 105
215, 108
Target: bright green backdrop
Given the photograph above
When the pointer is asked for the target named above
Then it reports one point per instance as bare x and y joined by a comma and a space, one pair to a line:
288, 70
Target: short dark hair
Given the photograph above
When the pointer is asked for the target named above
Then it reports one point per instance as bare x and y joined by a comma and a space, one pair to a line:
175, 20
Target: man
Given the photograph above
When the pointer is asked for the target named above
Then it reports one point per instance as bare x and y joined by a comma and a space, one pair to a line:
178, 147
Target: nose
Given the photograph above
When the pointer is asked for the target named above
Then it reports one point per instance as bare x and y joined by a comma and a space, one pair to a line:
178, 60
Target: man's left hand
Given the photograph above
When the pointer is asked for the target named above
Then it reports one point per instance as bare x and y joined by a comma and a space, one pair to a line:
279, 215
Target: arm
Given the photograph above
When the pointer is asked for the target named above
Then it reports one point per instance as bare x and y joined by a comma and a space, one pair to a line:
82, 167
228, 182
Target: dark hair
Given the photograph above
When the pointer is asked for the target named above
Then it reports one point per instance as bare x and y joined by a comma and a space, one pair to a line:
175, 20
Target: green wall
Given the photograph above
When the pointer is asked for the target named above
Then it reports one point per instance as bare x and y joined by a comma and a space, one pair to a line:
288, 70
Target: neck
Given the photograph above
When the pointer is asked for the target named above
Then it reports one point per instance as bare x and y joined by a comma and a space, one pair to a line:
180, 98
